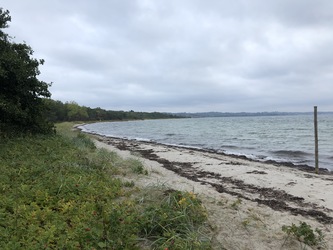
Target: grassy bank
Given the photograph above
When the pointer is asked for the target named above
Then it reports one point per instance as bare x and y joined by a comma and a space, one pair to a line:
60, 192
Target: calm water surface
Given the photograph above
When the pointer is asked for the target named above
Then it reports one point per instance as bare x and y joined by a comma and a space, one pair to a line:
279, 138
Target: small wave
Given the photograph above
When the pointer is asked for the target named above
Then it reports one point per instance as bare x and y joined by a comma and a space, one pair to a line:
181, 145
262, 157
293, 153
170, 134
229, 146
139, 139
237, 148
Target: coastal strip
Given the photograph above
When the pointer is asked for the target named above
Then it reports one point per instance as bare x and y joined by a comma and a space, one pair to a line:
279, 187
278, 194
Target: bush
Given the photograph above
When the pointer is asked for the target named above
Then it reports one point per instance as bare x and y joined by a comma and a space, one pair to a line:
174, 222
83, 142
304, 233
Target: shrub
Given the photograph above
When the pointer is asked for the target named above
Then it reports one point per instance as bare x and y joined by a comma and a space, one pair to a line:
174, 222
137, 167
304, 233
84, 142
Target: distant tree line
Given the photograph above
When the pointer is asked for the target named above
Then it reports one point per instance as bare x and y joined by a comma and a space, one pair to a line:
58, 111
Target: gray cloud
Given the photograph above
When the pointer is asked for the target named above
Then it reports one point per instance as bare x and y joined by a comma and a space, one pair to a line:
182, 55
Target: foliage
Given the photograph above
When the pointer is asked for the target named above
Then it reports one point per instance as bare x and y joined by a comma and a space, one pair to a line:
56, 196
82, 141
173, 222
71, 111
136, 166
304, 233
76, 112
60, 192
21, 105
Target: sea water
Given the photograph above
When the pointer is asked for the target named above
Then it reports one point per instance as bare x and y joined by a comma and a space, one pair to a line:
288, 138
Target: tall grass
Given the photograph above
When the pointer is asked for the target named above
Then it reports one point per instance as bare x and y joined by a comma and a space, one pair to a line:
60, 192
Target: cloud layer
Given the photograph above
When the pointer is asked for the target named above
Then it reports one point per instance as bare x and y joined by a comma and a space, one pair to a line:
189, 55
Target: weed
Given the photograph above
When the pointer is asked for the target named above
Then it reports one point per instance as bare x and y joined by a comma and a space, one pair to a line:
304, 233
236, 204
246, 222
136, 166
82, 141
129, 184
175, 222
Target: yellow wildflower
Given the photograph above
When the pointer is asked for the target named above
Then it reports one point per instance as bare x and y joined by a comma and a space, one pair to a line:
183, 200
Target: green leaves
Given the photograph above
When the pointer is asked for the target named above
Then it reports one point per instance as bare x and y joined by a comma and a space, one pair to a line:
76, 112
21, 106
304, 233
50, 194
174, 221
4, 19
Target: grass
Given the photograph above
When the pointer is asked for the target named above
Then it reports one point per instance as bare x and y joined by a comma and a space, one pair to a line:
174, 219
60, 192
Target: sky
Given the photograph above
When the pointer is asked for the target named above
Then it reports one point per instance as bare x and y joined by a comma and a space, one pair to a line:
182, 55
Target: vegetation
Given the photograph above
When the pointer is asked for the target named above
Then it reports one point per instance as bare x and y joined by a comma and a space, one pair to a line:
60, 192
173, 220
21, 104
305, 234
70, 111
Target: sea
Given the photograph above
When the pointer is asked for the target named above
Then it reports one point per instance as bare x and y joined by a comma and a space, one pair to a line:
285, 139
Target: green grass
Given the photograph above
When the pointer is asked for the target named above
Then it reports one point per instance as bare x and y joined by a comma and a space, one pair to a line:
60, 192
174, 219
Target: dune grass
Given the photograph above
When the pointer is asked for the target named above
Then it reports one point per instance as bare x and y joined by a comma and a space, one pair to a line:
60, 192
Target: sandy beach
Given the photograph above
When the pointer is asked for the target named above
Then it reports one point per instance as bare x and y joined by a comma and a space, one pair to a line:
247, 202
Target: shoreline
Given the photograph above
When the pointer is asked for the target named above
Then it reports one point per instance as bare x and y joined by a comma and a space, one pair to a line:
301, 167
237, 191
149, 150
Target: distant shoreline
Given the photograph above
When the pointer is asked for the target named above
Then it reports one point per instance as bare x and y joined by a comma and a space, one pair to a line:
244, 114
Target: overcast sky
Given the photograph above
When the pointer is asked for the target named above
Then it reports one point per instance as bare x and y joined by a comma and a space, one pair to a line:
182, 55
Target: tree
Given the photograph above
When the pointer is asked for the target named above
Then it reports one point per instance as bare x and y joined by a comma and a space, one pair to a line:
76, 112
56, 111
21, 105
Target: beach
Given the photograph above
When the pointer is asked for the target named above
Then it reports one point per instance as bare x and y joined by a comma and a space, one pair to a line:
247, 201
